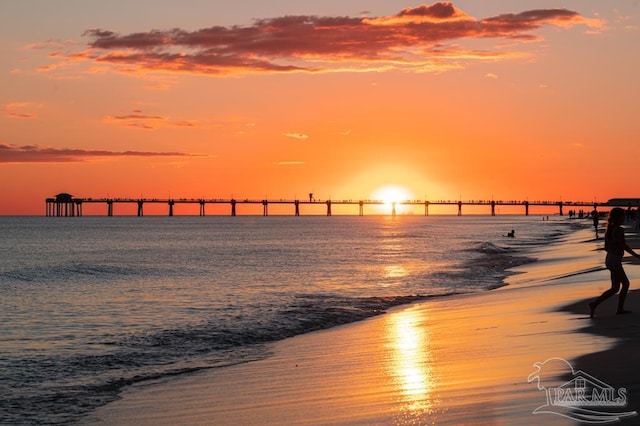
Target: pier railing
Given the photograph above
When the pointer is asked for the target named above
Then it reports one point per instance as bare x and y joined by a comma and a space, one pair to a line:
67, 205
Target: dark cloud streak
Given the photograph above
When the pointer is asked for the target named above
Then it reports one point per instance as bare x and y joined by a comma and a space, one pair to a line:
37, 154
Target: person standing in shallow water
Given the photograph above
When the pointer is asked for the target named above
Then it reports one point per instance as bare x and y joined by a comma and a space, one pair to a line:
596, 219
615, 245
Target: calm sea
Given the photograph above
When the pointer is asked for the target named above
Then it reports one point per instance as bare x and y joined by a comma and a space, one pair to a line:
89, 305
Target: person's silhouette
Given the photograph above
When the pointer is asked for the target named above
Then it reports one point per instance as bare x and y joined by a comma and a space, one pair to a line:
615, 245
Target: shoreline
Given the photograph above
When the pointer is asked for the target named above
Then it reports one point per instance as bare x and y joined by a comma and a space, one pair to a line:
458, 359
377, 371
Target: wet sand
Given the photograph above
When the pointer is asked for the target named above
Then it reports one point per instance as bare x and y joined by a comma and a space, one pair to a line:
457, 360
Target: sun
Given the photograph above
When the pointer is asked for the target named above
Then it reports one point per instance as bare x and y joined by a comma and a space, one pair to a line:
391, 194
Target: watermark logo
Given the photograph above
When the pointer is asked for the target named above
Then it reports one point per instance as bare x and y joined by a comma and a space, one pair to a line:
583, 398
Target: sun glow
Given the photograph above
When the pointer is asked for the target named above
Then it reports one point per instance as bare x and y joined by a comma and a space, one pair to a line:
392, 194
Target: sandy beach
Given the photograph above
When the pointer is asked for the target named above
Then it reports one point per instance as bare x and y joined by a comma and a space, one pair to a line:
465, 359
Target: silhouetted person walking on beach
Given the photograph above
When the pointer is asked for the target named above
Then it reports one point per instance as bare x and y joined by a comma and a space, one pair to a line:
596, 219
615, 246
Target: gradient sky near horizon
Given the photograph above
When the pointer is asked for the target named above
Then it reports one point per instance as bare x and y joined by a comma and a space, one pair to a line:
251, 99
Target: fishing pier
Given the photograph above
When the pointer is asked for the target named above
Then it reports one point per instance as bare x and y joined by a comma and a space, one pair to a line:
67, 205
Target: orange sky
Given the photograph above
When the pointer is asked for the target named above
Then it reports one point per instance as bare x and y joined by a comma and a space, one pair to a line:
471, 100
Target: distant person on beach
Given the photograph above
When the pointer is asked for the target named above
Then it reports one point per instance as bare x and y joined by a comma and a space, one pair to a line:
596, 220
615, 246
511, 234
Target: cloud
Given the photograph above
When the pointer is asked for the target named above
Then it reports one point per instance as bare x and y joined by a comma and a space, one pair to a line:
20, 115
514, 25
296, 135
137, 117
138, 120
289, 163
50, 44
305, 43
437, 13
38, 154
20, 110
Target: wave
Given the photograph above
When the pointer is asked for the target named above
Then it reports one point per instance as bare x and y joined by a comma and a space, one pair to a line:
485, 268
577, 273
111, 362
73, 270
488, 247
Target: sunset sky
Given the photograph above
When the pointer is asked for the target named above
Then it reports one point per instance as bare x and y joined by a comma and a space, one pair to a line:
497, 99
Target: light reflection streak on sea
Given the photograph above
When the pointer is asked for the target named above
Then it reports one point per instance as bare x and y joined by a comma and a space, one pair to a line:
412, 368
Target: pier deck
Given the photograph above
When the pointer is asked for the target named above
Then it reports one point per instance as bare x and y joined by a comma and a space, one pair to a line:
67, 205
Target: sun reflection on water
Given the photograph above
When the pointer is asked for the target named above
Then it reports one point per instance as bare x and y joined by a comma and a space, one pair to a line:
395, 271
411, 368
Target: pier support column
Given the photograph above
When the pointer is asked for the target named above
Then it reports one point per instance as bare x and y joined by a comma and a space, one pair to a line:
328, 207
233, 207
493, 208
171, 203
63, 205
526, 208
361, 212
560, 205
109, 207
201, 207
426, 208
265, 208
140, 210
393, 209
297, 203
459, 208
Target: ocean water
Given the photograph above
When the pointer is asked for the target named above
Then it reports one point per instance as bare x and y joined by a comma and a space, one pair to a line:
90, 305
